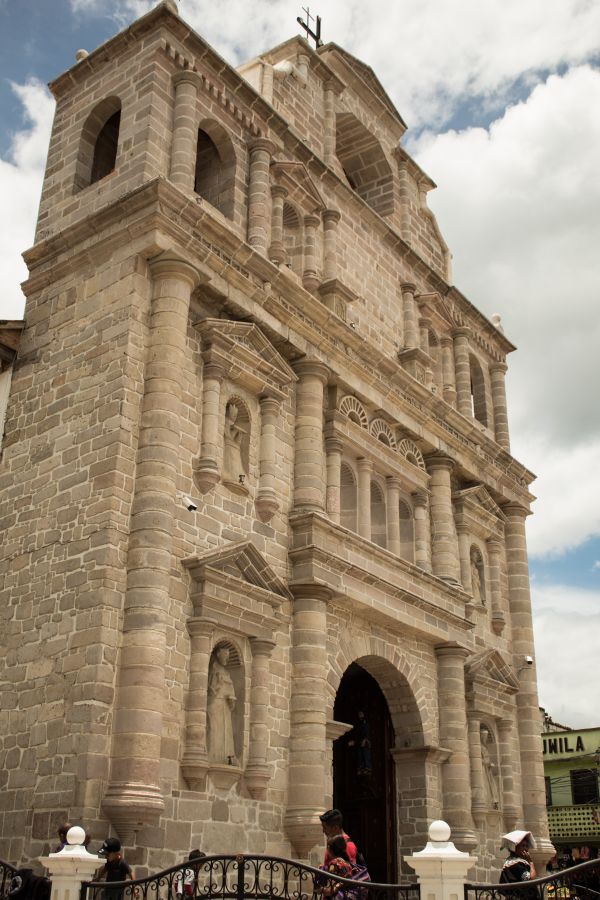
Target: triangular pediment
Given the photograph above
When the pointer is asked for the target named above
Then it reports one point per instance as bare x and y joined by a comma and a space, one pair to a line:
479, 495
300, 186
490, 668
239, 560
245, 355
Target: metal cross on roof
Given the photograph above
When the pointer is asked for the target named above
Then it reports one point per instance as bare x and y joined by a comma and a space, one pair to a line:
315, 35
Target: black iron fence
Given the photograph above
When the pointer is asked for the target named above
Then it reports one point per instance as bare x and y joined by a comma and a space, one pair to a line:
246, 878
6, 873
580, 882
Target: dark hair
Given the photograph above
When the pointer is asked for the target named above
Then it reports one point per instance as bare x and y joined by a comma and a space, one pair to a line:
196, 854
337, 847
332, 817
62, 829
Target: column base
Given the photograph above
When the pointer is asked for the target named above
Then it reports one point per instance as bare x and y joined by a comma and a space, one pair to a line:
129, 807
498, 622
194, 769
266, 505
544, 850
206, 475
257, 778
304, 830
464, 838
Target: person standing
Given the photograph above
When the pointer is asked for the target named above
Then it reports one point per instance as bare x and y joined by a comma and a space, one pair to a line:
115, 868
518, 866
332, 823
186, 878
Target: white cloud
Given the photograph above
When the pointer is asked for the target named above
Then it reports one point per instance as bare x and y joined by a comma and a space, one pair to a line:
566, 658
518, 204
429, 55
21, 176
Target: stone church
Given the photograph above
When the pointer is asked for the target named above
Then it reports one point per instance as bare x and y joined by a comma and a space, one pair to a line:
263, 537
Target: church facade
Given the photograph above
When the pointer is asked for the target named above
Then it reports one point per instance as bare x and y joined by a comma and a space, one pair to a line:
264, 539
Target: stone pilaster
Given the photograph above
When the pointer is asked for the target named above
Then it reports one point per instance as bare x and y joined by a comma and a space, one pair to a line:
333, 449
310, 278
444, 545
528, 719
424, 333
328, 123
309, 486
185, 131
462, 369
393, 514
409, 311
194, 764
464, 555
494, 554
456, 776
277, 249
365, 468
206, 469
448, 378
259, 194
479, 804
258, 773
331, 218
511, 806
308, 744
267, 502
422, 531
497, 373
133, 796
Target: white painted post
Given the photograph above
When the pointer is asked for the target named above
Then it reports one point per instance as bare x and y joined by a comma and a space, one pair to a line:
441, 868
71, 866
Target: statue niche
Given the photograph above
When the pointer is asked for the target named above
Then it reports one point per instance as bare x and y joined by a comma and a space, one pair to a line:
490, 768
236, 445
222, 708
477, 576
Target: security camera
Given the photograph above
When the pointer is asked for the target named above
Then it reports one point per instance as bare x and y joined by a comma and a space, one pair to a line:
529, 660
189, 504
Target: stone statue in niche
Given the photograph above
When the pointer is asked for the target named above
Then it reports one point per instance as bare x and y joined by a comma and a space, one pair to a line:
233, 465
490, 770
219, 708
478, 593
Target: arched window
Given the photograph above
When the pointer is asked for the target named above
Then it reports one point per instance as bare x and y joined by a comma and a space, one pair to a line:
347, 498
478, 391
292, 239
99, 143
407, 532
378, 518
215, 167
364, 163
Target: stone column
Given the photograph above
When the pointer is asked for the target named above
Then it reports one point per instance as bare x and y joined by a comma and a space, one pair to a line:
497, 373
494, 554
462, 368
277, 248
392, 507
261, 151
365, 467
511, 807
333, 449
464, 554
185, 130
309, 487
478, 793
424, 334
310, 279
444, 545
330, 217
528, 717
194, 764
449, 383
422, 531
329, 123
267, 502
456, 783
308, 745
409, 308
133, 796
258, 773
206, 469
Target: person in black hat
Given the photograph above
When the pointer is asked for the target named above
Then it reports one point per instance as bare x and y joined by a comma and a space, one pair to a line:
114, 869
332, 824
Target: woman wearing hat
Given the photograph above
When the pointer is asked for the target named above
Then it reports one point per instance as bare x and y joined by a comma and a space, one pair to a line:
518, 866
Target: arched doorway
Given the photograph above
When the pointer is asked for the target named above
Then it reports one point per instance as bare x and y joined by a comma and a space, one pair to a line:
363, 776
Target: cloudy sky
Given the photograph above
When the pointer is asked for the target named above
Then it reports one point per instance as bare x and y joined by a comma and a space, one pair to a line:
502, 99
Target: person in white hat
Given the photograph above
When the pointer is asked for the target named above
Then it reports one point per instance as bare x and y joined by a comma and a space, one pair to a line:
518, 866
